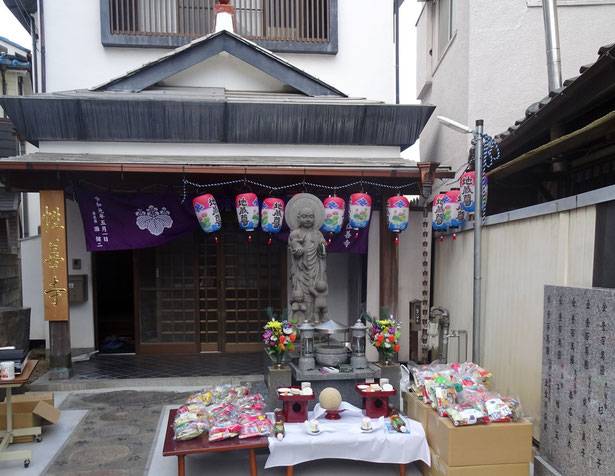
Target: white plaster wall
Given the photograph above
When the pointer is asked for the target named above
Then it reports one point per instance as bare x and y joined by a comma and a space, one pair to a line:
337, 275
225, 71
449, 90
373, 277
496, 66
219, 150
81, 321
363, 67
32, 286
518, 259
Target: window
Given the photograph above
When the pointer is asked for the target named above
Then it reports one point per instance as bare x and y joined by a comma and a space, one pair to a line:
445, 25
303, 26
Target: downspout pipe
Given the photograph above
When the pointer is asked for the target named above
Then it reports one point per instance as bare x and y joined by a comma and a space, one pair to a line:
554, 60
397, 4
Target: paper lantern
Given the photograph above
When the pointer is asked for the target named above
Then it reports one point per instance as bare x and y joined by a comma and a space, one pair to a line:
453, 213
398, 213
246, 205
207, 213
335, 207
467, 191
360, 210
272, 215
438, 219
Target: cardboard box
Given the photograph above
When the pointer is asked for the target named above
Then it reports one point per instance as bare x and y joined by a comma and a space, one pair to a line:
477, 445
30, 410
416, 409
439, 468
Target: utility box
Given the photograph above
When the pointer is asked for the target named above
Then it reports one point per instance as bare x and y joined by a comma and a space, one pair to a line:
77, 288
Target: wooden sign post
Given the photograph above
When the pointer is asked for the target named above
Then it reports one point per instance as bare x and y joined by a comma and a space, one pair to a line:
54, 263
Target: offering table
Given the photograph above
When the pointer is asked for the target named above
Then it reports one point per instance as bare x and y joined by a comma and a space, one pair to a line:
343, 439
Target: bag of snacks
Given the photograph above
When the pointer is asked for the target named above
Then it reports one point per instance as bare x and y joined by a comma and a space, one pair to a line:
218, 433
498, 410
463, 415
252, 426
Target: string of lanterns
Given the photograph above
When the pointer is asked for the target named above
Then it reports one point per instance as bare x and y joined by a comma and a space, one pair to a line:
269, 213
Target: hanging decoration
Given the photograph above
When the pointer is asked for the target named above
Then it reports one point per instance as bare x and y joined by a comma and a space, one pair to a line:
335, 208
272, 216
439, 222
360, 210
207, 213
398, 213
467, 192
453, 211
246, 205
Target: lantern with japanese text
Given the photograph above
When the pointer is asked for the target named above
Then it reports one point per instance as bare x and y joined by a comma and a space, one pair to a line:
438, 218
272, 216
207, 213
468, 198
398, 213
246, 205
453, 213
360, 210
335, 207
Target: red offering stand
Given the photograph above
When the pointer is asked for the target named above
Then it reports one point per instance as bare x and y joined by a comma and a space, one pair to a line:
295, 407
376, 403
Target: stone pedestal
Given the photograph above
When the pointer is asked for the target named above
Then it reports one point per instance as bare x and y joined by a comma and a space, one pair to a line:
343, 382
274, 379
393, 373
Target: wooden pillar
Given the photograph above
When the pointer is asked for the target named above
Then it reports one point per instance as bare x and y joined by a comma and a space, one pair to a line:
389, 265
55, 281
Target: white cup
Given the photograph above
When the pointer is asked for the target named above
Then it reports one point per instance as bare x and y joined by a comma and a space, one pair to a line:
384, 381
7, 370
305, 385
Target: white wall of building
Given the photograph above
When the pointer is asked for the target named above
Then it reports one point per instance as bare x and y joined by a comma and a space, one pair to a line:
496, 65
365, 32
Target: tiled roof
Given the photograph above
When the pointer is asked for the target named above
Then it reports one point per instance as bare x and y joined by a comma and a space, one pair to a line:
508, 137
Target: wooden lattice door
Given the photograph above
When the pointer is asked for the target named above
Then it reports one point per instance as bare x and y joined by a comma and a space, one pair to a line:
237, 283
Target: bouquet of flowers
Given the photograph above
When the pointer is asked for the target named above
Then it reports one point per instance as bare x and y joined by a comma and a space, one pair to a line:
384, 335
279, 337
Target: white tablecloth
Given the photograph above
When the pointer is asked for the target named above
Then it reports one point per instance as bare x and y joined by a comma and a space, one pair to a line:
343, 439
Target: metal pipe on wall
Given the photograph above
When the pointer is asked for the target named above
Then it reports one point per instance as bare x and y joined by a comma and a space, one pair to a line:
554, 60
478, 222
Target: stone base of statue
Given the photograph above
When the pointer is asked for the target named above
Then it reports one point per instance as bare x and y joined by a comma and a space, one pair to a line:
359, 362
307, 363
344, 382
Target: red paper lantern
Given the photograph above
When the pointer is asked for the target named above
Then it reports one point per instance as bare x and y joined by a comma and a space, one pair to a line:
246, 205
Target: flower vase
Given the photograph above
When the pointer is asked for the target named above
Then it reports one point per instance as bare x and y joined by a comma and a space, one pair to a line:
385, 358
278, 360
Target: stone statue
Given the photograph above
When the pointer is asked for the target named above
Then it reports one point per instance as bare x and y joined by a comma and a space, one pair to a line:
307, 247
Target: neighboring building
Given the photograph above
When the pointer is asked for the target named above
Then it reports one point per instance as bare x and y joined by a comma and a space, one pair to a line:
545, 223
483, 59
15, 77
220, 108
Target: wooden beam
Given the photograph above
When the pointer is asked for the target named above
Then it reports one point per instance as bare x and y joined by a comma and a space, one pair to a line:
55, 281
389, 267
564, 144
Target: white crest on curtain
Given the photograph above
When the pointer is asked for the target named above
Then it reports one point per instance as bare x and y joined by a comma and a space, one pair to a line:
154, 220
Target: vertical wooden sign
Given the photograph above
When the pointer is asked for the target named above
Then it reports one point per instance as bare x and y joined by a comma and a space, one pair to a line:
53, 255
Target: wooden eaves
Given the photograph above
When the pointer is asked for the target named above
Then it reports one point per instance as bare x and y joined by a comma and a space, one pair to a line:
564, 144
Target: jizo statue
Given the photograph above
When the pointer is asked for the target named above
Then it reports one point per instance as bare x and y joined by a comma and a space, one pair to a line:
307, 248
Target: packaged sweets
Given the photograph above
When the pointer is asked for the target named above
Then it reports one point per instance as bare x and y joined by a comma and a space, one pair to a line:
498, 410
218, 433
463, 415
252, 426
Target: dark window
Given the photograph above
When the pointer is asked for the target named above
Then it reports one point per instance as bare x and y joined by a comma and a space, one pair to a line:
280, 25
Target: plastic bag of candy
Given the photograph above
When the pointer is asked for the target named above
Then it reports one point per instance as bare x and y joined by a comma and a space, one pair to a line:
252, 426
497, 410
218, 433
446, 396
205, 397
190, 421
515, 407
251, 404
463, 415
